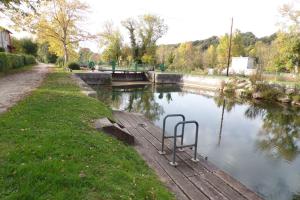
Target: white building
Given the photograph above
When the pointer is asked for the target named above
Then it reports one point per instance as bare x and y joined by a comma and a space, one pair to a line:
242, 65
5, 39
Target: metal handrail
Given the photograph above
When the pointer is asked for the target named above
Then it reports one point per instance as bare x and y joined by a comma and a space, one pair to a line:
194, 159
164, 131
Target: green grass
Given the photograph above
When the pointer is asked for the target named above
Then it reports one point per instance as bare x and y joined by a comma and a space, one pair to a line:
49, 150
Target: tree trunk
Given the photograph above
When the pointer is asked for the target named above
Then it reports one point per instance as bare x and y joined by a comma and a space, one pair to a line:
66, 54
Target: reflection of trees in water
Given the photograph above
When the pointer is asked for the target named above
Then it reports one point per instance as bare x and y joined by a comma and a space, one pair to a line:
296, 197
144, 102
280, 131
140, 99
228, 103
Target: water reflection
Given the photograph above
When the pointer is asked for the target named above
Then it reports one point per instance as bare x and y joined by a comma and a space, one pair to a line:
256, 142
280, 132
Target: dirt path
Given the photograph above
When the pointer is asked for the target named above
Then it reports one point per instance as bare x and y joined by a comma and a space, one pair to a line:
16, 86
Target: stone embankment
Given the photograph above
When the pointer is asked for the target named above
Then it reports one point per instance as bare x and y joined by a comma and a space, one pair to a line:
244, 88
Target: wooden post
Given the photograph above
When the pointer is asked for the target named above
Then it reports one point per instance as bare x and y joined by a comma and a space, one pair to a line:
229, 49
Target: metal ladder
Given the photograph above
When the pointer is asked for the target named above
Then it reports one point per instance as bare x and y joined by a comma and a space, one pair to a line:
175, 136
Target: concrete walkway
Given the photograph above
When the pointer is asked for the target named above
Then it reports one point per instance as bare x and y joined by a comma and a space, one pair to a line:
15, 87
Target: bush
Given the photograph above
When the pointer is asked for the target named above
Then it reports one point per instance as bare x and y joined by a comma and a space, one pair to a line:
10, 61
29, 60
74, 66
2, 49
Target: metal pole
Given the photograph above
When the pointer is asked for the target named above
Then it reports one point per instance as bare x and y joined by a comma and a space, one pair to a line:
195, 159
182, 133
229, 49
173, 163
163, 138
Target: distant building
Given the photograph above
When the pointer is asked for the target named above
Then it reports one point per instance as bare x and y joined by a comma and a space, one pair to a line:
5, 39
242, 65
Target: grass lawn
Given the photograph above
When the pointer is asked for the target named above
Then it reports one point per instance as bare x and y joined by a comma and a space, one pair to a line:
49, 150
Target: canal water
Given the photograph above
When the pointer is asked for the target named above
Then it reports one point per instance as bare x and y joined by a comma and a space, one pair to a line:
257, 143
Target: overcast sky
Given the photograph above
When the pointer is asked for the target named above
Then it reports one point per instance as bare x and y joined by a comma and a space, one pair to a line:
189, 19
192, 19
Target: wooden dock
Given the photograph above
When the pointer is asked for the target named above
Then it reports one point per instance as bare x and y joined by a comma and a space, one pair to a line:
189, 180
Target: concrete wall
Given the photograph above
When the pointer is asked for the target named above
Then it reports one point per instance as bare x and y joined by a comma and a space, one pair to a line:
96, 78
205, 82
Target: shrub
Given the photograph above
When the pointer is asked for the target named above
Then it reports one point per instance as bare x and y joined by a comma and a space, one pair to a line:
3, 62
10, 61
268, 92
2, 49
73, 66
29, 60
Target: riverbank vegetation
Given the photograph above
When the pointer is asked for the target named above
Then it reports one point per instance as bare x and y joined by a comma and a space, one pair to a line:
49, 150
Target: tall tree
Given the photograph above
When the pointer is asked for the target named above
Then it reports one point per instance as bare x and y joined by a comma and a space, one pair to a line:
131, 25
210, 57
237, 49
59, 26
151, 28
111, 41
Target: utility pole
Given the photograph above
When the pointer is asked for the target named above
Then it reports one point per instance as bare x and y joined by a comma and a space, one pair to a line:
229, 49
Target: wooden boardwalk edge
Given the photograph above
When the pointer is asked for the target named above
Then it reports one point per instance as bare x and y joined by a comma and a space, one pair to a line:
189, 180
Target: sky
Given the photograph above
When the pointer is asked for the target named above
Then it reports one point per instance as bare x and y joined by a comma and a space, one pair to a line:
188, 20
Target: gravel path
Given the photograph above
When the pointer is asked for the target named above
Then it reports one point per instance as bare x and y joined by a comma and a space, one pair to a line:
16, 86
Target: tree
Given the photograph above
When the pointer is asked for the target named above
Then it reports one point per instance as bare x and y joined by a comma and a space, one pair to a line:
144, 33
187, 58
210, 57
59, 26
288, 51
84, 55
25, 46
111, 40
288, 39
9, 7
237, 49
264, 54
291, 16
45, 55
222, 51
131, 25
151, 28
28, 46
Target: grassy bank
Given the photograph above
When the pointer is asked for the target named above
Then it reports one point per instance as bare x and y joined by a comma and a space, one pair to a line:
48, 150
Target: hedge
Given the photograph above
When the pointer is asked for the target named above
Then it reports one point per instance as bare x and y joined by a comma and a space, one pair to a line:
10, 61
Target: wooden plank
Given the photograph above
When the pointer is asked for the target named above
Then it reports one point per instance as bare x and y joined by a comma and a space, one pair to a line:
164, 177
222, 187
190, 190
188, 171
209, 190
205, 176
237, 185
